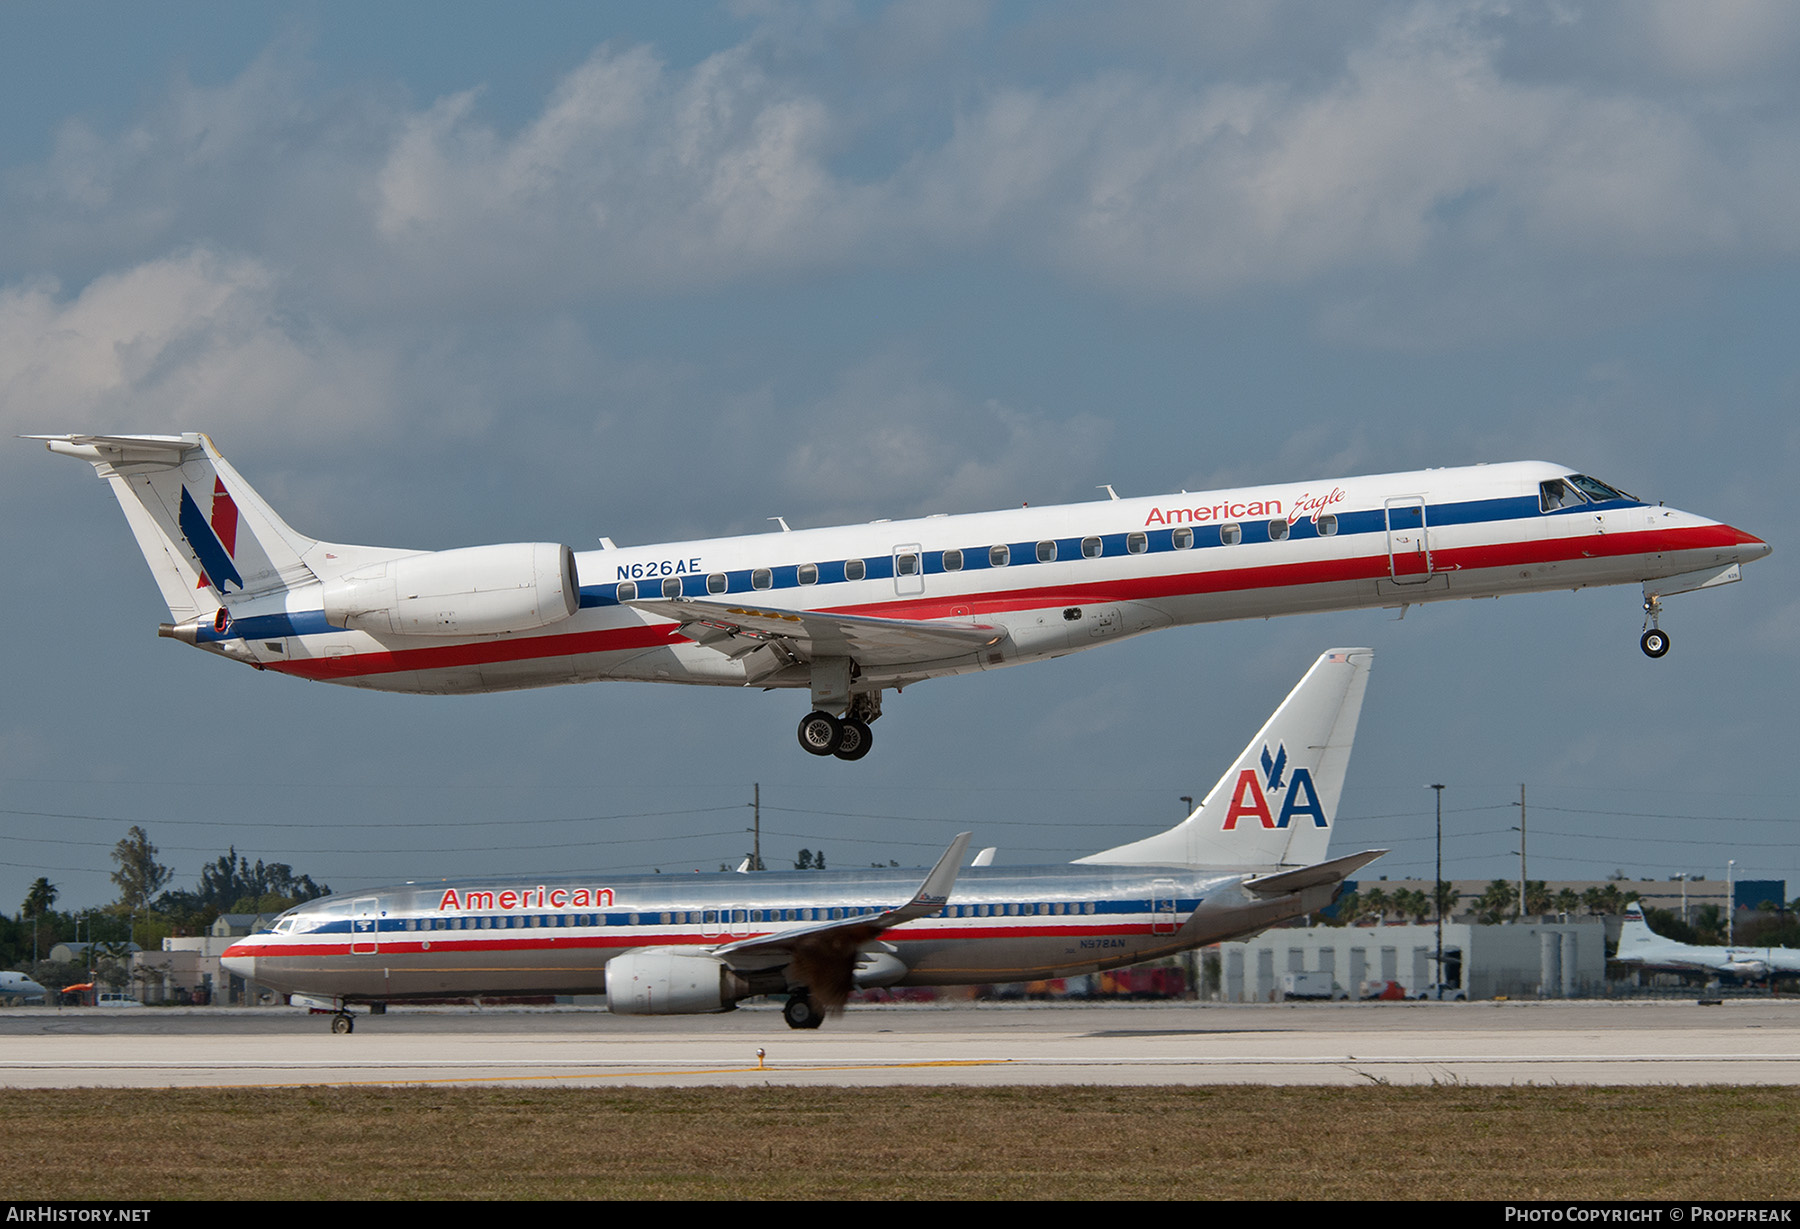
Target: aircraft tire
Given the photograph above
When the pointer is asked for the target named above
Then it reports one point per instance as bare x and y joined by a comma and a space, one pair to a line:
1655, 642
856, 740
820, 733
802, 1012
343, 1024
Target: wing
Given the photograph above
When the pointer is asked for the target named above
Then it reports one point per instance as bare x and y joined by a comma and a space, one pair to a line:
738, 631
822, 957
767, 951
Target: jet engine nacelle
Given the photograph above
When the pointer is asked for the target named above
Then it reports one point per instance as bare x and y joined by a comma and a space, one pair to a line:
473, 591
661, 982
1752, 969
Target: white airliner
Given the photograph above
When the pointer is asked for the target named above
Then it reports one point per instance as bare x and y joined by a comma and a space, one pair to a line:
1640, 945
17, 989
851, 612
1251, 855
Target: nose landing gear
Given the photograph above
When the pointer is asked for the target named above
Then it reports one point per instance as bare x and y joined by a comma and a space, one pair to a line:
1655, 641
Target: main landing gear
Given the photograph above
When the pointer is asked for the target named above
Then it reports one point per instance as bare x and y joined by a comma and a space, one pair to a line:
849, 737
1655, 641
343, 1023
802, 1012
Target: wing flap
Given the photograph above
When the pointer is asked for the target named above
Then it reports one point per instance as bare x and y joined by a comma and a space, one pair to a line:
738, 630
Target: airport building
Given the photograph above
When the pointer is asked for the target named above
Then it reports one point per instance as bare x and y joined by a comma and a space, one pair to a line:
1545, 959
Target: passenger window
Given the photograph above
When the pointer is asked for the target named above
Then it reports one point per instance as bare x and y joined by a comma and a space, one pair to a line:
1046, 552
952, 561
999, 556
1278, 531
672, 587
1182, 539
1328, 525
809, 574
716, 583
906, 565
761, 578
1230, 534
1137, 543
627, 591
1091, 548
855, 569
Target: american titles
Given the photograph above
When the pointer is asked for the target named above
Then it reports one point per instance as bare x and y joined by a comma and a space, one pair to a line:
539, 897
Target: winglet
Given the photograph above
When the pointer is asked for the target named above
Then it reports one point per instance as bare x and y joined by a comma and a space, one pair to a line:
935, 891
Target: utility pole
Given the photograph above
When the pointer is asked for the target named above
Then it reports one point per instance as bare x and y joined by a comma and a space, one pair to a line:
756, 862
1437, 896
1521, 851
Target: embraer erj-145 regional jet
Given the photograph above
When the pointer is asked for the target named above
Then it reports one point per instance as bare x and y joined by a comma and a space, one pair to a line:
851, 612
1251, 855
1640, 945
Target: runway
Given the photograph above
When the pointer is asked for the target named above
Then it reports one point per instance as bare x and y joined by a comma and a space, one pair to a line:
1668, 1042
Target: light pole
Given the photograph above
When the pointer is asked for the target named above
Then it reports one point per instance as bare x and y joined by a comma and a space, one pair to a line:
1437, 897
1730, 903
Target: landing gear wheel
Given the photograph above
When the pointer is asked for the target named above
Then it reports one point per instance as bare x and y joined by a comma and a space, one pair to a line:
1655, 642
855, 741
820, 733
342, 1023
802, 1012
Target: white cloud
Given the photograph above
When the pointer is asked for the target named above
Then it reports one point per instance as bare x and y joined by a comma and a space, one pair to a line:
174, 343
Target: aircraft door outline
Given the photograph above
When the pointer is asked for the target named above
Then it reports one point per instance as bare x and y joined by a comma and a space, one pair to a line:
1162, 908
1408, 539
365, 926
909, 570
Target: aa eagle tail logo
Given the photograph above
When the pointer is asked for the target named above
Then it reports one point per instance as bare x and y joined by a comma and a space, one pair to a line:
214, 538
1250, 798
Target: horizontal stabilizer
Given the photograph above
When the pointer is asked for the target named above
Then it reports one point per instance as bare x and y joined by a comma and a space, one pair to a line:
1334, 871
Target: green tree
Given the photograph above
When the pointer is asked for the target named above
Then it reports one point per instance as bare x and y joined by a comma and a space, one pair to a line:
39, 899
1498, 902
1537, 897
140, 876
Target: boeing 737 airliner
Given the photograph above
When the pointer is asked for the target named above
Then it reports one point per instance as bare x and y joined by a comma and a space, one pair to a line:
849, 613
1250, 856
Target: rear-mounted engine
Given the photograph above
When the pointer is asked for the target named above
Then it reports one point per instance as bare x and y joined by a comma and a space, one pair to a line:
474, 591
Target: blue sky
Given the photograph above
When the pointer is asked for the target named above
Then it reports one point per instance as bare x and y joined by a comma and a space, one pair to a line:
657, 272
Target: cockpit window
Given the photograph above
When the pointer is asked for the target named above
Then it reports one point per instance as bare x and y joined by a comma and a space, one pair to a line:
1558, 493
1597, 490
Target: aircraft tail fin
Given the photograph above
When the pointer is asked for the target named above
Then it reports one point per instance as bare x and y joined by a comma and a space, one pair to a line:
1274, 807
207, 536
1636, 939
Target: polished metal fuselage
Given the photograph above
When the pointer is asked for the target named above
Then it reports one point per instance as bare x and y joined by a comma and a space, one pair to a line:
555, 934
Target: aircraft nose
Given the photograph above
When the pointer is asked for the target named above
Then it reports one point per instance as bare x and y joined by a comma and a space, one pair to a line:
239, 961
1747, 547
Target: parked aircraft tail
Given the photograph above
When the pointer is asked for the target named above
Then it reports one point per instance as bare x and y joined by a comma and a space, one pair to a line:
208, 537
1274, 807
1636, 940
